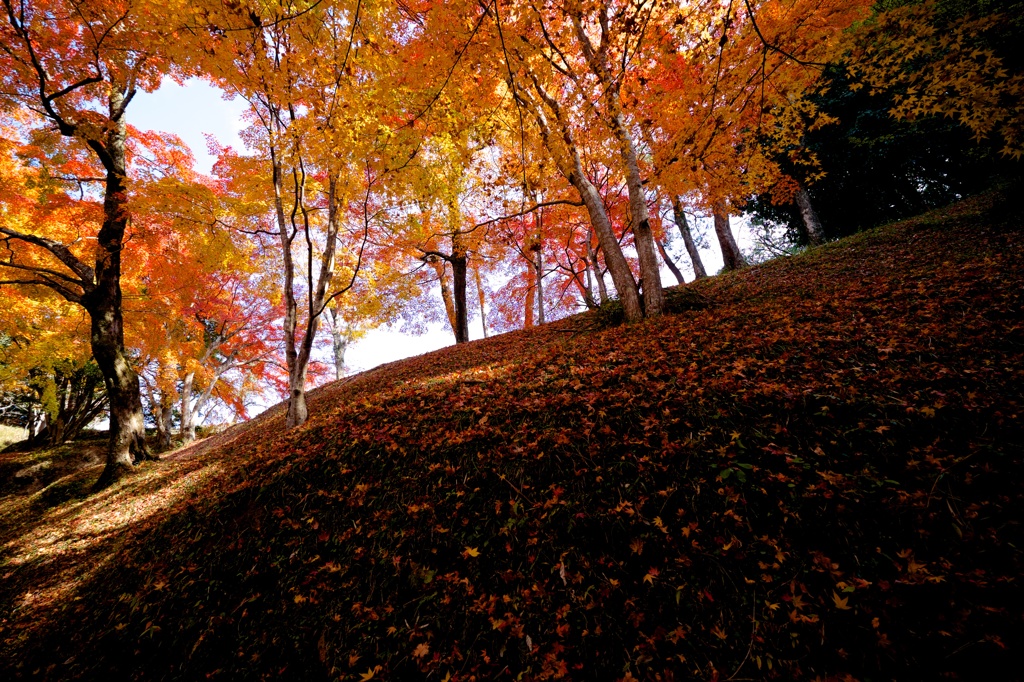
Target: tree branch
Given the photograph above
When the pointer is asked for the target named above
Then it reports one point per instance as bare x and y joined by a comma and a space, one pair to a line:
86, 274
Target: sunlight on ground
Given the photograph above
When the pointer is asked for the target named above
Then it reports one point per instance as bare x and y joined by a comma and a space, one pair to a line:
11, 434
470, 376
65, 534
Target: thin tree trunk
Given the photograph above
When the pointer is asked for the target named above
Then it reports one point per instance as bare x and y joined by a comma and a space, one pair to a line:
537, 247
595, 265
684, 229
582, 281
643, 237
446, 292
296, 378
539, 267
187, 427
339, 343
459, 286
531, 297
572, 170
316, 296
671, 265
480, 295
815, 233
731, 256
588, 285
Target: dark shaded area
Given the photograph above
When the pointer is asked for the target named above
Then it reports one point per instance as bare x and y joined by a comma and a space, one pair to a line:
879, 169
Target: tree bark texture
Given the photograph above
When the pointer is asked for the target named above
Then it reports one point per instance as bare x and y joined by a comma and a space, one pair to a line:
480, 295
731, 256
595, 266
691, 247
104, 304
538, 266
815, 232
459, 294
643, 237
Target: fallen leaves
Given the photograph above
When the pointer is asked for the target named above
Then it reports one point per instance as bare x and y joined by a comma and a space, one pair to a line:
579, 525
840, 602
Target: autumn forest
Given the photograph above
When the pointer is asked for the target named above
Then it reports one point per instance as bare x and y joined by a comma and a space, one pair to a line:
803, 465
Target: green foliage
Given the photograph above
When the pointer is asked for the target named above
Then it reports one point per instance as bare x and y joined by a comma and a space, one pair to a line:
817, 477
878, 168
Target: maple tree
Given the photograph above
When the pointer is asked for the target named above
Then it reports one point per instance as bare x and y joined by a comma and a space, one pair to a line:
722, 106
69, 72
295, 71
46, 372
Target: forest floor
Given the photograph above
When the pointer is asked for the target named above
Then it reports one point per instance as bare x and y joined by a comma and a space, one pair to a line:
811, 469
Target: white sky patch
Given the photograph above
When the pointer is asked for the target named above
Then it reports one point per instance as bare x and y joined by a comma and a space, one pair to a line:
191, 111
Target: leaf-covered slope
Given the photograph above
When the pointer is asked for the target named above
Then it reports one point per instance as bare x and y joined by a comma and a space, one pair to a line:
818, 473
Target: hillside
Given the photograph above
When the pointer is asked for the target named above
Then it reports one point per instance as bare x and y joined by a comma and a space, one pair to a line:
812, 469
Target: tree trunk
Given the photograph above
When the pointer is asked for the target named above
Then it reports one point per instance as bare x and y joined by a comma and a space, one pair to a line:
691, 248
297, 410
164, 427
622, 277
162, 417
531, 297
339, 343
459, 286
815, 233
643, 238
537, 248
480, 294
187, 427
572, 170
731, 256
595, 266
316, 296
160, 405
446, 292
671, 266
539, 269
103, 302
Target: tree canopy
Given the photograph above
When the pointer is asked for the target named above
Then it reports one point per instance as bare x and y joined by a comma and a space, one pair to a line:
501, 160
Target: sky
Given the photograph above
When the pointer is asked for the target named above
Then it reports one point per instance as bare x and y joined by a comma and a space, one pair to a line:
196, 109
